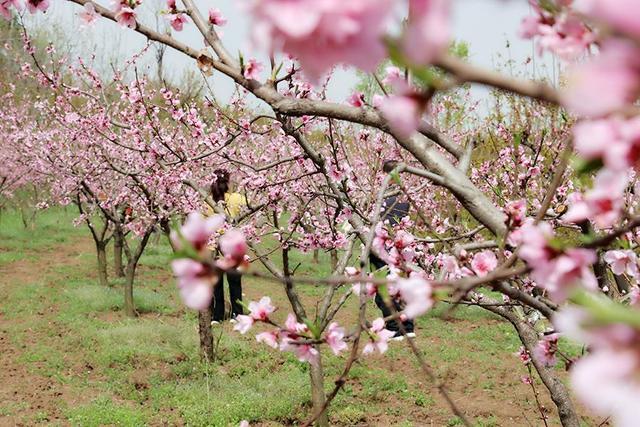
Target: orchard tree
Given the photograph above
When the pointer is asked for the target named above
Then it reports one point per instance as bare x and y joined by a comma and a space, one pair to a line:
519, 217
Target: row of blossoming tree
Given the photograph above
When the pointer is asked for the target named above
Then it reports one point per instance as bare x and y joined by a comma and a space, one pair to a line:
534, 202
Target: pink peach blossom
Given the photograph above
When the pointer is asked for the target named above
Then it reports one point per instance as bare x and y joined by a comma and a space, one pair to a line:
216, 17
562, 33
484, 263
395, 78
306, 353
534, 241
379, 337
428, 30
262, 309
606, 378
197, 230
524, 355
606, 83
292, 325
620, 14
269, 338
37, 5
622, 261
356, 99
252, 69
335, 338
564, 273
243, 323
417, 294
516, 212
126, 17
450, 266
613, 140
324, 33
369, 289
195, 282
89, 16
602, 204
233, 246
403, 113
545, 350
606, 381
177, 21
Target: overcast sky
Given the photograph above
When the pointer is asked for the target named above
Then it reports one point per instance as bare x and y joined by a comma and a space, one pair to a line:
489, 26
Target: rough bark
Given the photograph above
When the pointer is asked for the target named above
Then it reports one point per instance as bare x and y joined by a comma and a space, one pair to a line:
318, 396
205, 334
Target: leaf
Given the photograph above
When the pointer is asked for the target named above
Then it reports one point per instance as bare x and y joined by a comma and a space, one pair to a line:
383, 292
586, 239
425, 75
583, 166
557, 243
395, 176
604, 311
313, 327
517, 140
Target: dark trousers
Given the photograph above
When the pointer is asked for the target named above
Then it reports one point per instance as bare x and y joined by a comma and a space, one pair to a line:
235, 294
391, 325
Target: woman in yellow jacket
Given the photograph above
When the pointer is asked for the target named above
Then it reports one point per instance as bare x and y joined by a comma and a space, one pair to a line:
233, 205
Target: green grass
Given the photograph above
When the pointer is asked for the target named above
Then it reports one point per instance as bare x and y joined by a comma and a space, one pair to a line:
104, 411
146, 371
52, 227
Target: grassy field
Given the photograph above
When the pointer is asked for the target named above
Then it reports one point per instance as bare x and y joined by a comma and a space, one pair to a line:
70, 356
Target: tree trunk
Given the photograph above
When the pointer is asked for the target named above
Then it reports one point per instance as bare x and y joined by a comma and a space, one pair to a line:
130, 272
117, 254
316, 256
23, 217
334, 259
557, 390
101, 252
206, 337
318, 396
129, 307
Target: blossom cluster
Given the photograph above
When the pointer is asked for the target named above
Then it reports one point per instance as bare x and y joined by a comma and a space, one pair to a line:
299, 339
197, 275
558, 271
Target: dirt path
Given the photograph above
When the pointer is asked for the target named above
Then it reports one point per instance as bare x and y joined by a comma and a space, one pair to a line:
27, 397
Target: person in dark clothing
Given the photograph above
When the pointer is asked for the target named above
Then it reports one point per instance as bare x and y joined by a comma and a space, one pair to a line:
219, 192
393, 211
234, 279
